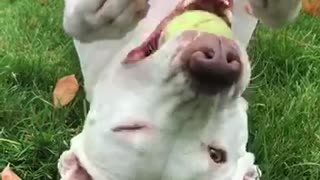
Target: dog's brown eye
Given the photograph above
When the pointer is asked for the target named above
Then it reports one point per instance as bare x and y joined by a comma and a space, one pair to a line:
217, 155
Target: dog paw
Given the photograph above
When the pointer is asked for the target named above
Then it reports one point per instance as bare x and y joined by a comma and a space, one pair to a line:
275, 13
254, 173
70, 168
83, 18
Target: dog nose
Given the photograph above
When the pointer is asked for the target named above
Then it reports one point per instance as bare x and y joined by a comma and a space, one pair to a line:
212, 62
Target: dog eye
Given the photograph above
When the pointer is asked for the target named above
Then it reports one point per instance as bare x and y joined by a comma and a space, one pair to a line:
217, 155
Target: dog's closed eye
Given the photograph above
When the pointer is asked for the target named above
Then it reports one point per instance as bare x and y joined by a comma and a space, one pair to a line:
217, 155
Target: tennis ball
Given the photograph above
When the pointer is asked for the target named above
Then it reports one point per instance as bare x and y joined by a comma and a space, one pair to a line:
199, 21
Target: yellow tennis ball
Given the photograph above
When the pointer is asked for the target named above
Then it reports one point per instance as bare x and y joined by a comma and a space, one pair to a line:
198, 21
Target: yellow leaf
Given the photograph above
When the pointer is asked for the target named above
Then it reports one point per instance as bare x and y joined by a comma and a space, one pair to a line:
65, 91
8, 174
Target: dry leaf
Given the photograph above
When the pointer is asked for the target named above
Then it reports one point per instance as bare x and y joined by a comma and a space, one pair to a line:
312, 7
65, 91
44, 2
8, 174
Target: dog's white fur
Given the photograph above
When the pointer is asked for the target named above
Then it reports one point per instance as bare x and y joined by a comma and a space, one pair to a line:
181, 125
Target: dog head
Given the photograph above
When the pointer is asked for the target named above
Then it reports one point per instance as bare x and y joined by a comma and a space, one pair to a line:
194, 64
168, 110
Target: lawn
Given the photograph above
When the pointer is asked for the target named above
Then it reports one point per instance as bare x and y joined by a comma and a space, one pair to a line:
34, 52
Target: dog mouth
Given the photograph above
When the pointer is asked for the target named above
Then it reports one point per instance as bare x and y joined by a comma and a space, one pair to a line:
152, 44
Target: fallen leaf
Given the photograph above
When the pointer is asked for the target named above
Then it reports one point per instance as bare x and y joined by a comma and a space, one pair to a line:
312, 7
44, 2
8, 174
65, 91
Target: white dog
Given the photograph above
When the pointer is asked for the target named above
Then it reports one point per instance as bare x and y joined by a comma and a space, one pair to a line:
177, 114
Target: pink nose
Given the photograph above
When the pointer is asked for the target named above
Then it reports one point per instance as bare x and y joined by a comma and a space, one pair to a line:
212, 62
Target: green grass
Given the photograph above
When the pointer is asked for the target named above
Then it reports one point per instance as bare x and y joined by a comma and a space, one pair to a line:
34, 53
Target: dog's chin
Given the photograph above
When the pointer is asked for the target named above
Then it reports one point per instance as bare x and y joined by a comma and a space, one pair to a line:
208, 90
192, 95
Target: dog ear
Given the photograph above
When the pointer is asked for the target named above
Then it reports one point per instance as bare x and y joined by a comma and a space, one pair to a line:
70, 168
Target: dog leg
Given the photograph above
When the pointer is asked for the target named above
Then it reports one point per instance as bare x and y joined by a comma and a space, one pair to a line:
272, 13
275, 13
244, 23
90, 20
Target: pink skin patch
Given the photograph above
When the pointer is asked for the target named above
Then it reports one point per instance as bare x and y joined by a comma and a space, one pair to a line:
71, 169
252, 174
151, 44
248, 9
